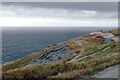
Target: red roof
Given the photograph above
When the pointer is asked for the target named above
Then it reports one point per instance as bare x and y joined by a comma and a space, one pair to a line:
99, 36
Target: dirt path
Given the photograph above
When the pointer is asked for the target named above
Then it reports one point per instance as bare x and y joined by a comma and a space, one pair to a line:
75, 58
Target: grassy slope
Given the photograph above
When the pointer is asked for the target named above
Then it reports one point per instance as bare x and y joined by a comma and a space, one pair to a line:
24, 61
115, 31
62, 69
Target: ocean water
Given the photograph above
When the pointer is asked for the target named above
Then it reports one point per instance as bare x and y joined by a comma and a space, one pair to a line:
19, 42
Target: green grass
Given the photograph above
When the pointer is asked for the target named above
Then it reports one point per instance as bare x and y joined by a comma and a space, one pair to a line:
94, 47
109, 50
91, 66
70, 58
25, 61
115, 32
59, 69
94, 50
62, 69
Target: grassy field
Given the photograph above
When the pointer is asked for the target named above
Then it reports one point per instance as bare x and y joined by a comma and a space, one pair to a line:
109, 55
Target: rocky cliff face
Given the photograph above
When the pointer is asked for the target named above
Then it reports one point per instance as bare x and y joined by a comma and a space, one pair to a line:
54, 54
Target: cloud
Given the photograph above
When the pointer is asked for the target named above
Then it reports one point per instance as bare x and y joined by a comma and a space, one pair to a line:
24, 15
56, 22
97, 6
21, 11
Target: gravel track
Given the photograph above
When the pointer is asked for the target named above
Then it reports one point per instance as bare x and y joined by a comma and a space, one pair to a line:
110, 72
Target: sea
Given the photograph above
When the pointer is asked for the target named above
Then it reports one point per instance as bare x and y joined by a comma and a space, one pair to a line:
17, 42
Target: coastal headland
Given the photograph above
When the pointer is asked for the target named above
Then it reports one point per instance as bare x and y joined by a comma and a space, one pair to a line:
79, 57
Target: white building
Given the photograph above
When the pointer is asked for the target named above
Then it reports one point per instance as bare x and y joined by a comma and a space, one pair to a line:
105, 35
95, 33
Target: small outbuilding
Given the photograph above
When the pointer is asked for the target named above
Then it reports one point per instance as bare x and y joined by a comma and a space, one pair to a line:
95, 33
106, 35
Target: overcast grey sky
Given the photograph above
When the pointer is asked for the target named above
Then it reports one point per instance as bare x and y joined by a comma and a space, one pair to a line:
60, 14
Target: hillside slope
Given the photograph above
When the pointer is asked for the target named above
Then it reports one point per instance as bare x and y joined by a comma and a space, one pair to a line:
78, 57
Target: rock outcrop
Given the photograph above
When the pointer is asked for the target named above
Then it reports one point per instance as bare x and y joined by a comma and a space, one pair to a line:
53, 55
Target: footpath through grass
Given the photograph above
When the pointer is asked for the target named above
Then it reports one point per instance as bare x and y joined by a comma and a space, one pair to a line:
61, 69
